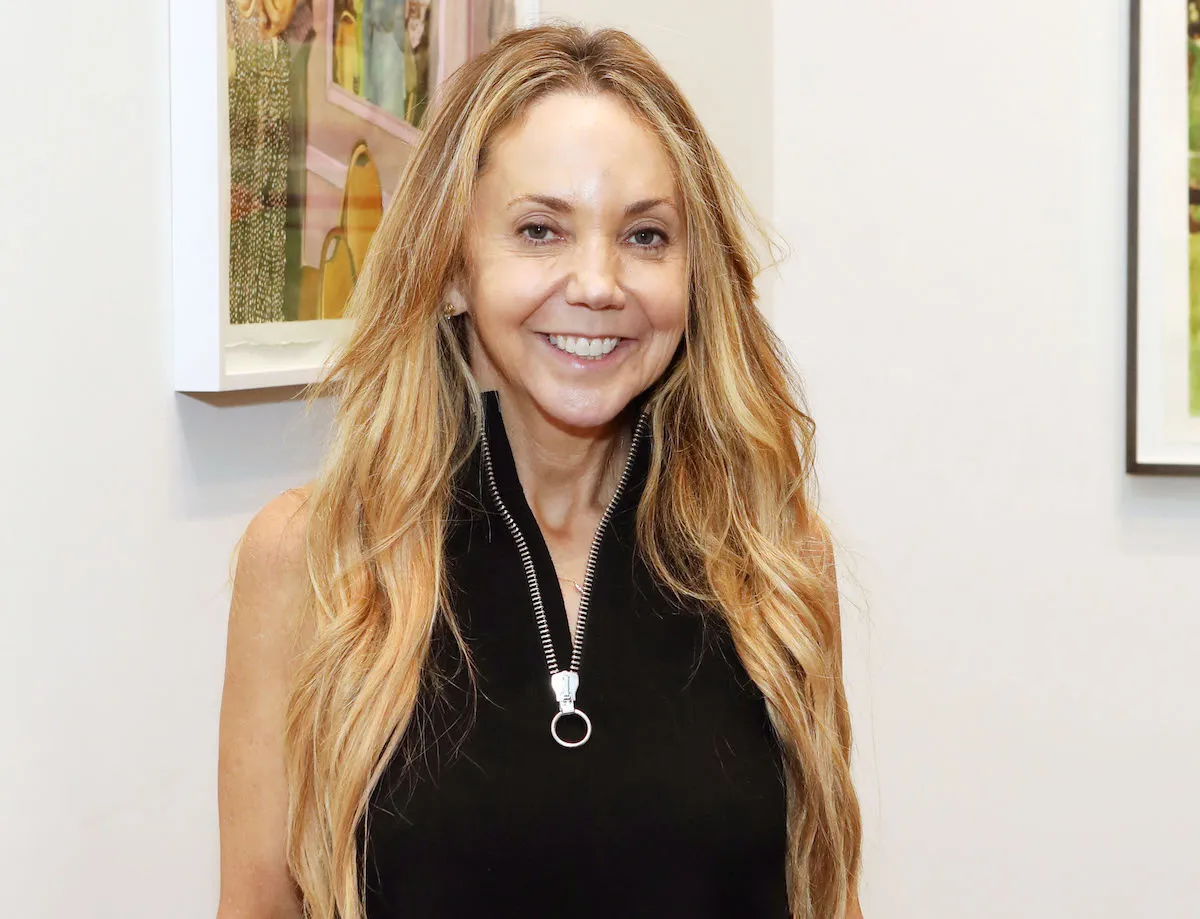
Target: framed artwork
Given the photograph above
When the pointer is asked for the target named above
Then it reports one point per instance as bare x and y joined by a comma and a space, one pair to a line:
1163, 342
291, 121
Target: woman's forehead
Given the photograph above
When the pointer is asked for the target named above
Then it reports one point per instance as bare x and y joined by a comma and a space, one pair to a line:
580, 149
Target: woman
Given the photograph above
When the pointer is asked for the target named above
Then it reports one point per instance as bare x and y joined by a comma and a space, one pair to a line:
561, 415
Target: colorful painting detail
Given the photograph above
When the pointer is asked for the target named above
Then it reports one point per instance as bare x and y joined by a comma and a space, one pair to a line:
326, 98
382, 53
1193, 60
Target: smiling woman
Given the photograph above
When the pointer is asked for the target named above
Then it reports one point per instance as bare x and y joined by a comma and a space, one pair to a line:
561, 417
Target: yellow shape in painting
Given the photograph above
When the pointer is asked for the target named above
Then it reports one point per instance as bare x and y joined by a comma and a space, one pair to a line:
337, 275
347, 54
362, 203
310, 293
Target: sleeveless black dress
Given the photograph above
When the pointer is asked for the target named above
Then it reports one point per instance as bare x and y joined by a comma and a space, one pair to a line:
675, 806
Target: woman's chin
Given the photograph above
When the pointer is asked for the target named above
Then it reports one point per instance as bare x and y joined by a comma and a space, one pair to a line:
583, 408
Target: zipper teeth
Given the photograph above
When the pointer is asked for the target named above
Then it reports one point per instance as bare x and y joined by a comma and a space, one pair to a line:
535, 591
589, 572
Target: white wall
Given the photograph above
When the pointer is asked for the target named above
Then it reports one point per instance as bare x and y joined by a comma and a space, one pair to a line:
951, 179
121, 500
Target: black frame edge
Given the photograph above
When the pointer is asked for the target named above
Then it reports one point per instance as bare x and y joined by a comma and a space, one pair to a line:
1132, 466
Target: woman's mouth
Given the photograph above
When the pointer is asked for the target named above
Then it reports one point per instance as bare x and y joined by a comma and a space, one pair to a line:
589, 349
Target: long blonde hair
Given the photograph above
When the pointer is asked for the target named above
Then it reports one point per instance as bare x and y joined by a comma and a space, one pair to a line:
726, 518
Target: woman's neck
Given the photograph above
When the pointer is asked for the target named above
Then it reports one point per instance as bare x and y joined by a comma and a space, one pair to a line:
565, 472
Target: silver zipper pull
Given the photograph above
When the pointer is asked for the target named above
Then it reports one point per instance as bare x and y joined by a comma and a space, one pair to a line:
565, 684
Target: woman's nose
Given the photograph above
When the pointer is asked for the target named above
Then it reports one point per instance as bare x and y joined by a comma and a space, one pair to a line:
594, 279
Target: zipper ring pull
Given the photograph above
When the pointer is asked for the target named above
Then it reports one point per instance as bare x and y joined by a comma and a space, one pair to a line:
565, 684
587, 724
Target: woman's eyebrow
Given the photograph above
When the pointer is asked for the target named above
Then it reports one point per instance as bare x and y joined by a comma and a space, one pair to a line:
563, 206
648, 204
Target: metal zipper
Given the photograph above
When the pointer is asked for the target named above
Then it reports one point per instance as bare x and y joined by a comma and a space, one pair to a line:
563, 683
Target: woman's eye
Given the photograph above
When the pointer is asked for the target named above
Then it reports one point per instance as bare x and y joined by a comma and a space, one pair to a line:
536, 232
647, 238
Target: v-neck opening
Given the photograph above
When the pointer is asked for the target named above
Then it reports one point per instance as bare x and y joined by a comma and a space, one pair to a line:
508, 484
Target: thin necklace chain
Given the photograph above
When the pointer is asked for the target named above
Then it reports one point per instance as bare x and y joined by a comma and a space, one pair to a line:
574, 583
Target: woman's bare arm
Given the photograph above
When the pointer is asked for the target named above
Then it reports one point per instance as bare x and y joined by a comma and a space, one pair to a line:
265, 635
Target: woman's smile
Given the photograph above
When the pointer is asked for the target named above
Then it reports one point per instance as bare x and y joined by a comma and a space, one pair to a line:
590, 353
593, 349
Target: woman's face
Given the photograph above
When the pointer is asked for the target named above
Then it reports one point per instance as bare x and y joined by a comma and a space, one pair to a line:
579, 290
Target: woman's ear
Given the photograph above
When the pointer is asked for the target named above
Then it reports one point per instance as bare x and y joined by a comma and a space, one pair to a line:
456, 303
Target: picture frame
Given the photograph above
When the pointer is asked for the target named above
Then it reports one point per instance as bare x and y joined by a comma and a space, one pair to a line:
1163, 270
280, 172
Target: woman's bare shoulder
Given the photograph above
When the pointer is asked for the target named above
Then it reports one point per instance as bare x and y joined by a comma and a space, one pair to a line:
274, 541
271, 579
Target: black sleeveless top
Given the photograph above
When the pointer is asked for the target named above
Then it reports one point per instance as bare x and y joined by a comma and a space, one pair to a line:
675, 806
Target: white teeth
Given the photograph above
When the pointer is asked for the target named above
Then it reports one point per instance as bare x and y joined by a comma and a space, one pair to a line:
584, 347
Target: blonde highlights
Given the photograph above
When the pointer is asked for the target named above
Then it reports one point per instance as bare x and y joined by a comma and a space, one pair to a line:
727, 516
